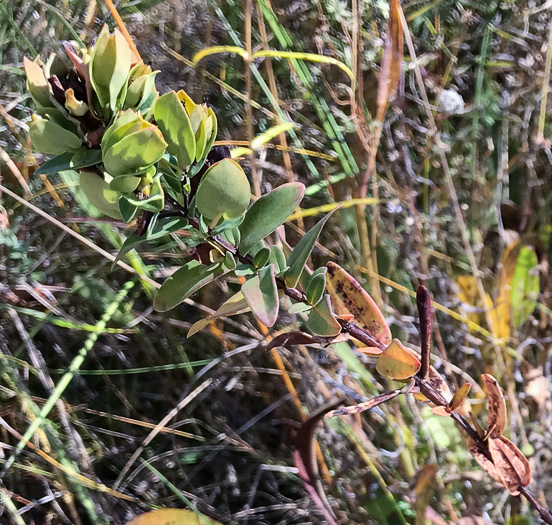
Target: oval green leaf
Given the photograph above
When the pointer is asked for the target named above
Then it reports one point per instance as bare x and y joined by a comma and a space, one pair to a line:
269, 212
261, 293
223, 190
525, 286
321, 320
99, 194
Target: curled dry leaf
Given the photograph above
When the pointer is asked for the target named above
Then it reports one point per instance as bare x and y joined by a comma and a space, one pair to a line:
438, 384
511, 465
480, 453
302, 338
496, 420
396, 362
366, 405
350, 298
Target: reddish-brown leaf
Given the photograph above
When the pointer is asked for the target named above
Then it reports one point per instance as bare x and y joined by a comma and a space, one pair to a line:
291, 338
511, 465
496, 420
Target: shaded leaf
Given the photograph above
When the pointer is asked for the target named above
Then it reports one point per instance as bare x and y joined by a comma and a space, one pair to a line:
396, 362
349, 298
511, 465
496, 420
81, 159
525, 286
316, 286
261, 292
269, 212
172, 517
301, 252
183, 283
99, 194
292, 338
305, 459
321, 319
366, 405
237, 304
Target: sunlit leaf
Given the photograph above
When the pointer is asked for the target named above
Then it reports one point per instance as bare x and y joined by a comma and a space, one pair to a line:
525, 286
302, 251
174, 123
223, 191
459, 396
350, 298
261, 293
172, 517
321, 319
396, 362
269, 212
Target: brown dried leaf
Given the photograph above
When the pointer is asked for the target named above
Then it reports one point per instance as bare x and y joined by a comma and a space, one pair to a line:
291, 338
366, 405
479, 452
496, 420
511, 465
438, 384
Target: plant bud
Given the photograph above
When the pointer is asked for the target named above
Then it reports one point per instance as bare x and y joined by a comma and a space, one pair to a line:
49, 137
141, 85
109, 67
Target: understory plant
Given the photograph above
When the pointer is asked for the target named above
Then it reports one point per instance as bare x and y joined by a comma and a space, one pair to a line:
148, 158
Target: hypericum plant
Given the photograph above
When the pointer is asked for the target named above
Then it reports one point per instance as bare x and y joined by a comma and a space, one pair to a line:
151, 157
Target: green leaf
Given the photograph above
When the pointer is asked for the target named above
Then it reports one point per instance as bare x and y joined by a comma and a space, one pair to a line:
269, 212
99, 194
321, 320
128, 210
261, 257
174, 123
49, 137
525, 286
135, 152
237, 304
316, 286
277, 258
70, 161
261, 294
165, 225
184, 282
302, 251
124, 183
223, 191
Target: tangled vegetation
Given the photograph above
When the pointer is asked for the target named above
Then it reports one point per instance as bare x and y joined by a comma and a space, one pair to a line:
183, 406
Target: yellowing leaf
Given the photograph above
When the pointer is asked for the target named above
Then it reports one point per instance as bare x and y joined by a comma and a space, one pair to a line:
172, 517
350, 298
396, 362
269, 134
459, 396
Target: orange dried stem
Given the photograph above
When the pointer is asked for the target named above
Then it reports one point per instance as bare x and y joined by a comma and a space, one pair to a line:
122, 27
